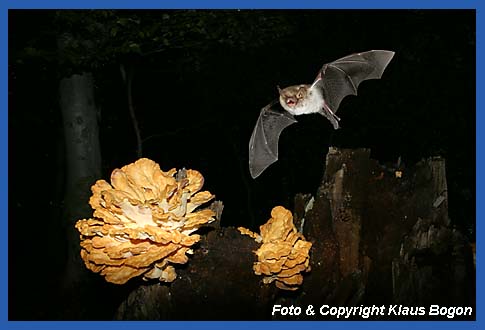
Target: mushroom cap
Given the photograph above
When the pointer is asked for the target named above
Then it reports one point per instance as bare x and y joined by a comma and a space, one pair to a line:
284, 253
143, 221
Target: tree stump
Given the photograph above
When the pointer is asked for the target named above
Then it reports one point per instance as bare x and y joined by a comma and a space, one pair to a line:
380, 234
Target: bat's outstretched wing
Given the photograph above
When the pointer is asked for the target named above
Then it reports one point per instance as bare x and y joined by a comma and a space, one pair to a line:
342, 77
263, 145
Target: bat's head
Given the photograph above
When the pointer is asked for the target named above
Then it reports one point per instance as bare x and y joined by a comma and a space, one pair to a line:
292, 97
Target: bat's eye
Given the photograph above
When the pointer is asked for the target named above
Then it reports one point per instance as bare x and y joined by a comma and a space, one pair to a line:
299, 95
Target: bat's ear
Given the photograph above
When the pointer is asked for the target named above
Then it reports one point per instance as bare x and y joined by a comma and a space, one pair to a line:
279, 89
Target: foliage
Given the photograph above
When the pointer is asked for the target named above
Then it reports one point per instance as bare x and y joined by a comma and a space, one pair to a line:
90, 39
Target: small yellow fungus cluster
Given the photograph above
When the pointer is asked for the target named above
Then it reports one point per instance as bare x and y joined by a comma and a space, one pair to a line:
284, 253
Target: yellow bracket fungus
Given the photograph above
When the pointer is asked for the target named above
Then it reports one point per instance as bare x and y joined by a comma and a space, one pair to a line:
284, 253
143, 222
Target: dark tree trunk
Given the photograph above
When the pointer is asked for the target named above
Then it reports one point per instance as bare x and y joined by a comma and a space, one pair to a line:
83, 162
380, 234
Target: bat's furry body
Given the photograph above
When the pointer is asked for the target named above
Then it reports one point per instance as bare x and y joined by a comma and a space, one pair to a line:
311, 102
334, 81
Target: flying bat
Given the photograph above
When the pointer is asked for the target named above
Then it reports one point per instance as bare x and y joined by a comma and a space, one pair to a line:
334, 81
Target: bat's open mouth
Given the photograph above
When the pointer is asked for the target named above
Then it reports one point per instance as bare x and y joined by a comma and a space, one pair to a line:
290, 102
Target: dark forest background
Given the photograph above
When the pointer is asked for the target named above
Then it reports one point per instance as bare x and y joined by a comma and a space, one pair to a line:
199, 80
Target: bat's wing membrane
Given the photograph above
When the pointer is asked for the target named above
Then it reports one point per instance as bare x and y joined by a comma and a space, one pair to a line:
263, 145
336, 80
343, 76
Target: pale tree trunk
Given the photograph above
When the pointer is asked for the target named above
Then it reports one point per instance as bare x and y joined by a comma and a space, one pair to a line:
83, 162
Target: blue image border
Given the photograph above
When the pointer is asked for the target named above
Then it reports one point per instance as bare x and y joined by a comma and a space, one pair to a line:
305, 4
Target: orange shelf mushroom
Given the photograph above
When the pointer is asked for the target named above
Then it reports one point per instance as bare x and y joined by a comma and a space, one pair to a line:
284, 253
143, 222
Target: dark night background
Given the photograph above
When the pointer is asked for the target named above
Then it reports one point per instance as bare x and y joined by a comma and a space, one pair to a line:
197, 96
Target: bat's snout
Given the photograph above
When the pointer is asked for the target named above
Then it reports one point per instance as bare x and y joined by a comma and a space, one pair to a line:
291, 101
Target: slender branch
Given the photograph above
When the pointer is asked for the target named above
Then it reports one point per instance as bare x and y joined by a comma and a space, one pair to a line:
127, 79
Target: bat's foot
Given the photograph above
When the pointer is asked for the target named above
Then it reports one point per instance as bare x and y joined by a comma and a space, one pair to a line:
327, 113
335, 124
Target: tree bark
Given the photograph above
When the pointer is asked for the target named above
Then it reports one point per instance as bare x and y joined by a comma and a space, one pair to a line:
380, 234
83, 161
